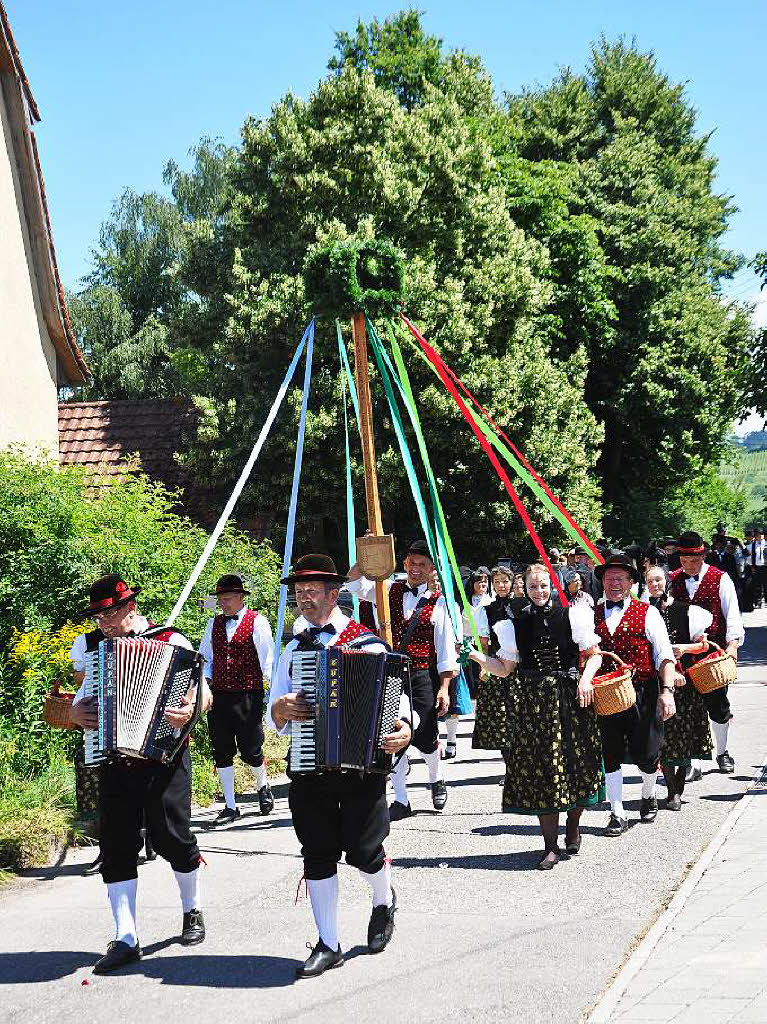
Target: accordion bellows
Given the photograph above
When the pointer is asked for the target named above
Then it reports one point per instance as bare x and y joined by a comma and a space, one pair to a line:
356, 697
135, 681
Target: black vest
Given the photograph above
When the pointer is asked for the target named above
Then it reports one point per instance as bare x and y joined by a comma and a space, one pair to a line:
497, 611
545, 640
93, 639
677, 619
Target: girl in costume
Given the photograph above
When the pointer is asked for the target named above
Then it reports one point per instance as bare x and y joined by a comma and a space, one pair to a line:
491, 725
477, 587
687, 735
554, 762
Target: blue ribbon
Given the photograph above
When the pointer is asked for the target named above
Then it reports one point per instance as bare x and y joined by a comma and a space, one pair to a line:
351, 530
288, 555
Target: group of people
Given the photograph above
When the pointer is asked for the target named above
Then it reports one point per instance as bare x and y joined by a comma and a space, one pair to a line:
536, 664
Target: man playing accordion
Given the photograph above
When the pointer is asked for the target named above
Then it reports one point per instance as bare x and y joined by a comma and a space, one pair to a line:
335, 811
133, 790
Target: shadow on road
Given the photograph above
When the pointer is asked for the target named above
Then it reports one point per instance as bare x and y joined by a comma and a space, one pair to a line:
25, 968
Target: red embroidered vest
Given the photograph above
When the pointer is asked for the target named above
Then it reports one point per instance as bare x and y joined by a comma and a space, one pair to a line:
235, 662
628, 641
352, 631
423, 654
706, 596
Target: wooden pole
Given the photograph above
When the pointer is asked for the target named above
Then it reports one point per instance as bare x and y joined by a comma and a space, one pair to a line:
375, 525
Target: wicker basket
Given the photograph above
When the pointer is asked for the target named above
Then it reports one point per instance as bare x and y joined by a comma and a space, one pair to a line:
716, 670
57, 710
614, 691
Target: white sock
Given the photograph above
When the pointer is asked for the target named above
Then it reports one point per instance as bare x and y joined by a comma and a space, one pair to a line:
614, 786
434, 762
260, 773
452, 731
380, 883
227, 784
399, 780
323, 892
720, 730
189, 888
648, 784
122, 896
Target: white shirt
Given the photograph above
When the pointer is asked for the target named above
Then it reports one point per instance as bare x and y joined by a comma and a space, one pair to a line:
262, 638
444, 635
758, 548
282, 683
728, 599
78, 650
699, 619
477, 612
654, 629
581, 625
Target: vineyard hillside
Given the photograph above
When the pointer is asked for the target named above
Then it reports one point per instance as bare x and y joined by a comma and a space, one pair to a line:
747, 470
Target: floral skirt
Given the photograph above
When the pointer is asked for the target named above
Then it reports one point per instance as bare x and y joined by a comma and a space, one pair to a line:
554, 761
491, 726
687, 733
86, 787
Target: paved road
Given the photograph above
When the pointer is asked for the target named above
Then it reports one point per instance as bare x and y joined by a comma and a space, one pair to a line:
480, 934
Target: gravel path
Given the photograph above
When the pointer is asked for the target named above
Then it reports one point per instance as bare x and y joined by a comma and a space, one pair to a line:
480, 934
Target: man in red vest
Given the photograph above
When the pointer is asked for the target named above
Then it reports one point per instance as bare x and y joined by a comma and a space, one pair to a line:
132, 791
637, 634
704, 585
238, 649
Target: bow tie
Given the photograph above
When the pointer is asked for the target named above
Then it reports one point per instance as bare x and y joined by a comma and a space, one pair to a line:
613, 604
315, 631
412, 590
687, 576
230, 618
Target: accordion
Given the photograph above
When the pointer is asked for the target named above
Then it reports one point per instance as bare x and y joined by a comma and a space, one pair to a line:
356, 697
135, 681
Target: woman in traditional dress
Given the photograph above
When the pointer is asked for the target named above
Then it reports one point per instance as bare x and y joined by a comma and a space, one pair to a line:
687, 734
554, 762
477, 587
491, 724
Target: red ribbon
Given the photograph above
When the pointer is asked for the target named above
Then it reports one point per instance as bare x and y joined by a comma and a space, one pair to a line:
441, 368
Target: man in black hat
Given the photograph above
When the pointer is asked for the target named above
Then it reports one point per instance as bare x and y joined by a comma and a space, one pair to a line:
672, 555
637, 634
238, 648
422, 629
341, 811
131, 790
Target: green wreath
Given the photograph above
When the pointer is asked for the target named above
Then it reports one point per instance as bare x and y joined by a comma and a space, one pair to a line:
344, 278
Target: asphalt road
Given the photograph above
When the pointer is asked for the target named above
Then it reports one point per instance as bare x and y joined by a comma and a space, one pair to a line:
481, 935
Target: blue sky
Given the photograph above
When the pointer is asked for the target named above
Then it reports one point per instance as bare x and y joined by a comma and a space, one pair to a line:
124, 86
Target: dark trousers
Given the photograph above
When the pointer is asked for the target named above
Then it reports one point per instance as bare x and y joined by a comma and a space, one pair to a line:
718, 705
236, 722
339, 812
131, 789
425, 686
758, 584
636, 735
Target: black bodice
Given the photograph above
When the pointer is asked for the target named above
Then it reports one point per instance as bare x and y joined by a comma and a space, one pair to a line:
545, 640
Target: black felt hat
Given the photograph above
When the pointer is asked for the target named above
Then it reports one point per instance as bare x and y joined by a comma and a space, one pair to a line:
617, 561
690, 543
231, 583
109, 592
314, 568
418, 547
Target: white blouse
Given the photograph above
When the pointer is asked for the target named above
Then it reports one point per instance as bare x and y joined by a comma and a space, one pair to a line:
581, 625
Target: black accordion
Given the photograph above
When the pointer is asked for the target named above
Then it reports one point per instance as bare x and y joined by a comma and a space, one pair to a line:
135, 681
356, 698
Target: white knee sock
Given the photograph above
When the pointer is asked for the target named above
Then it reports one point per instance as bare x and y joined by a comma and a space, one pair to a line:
399, 780
227, 784
380, 883
720, 730
452, 731
189, 888
614, 786
648, 784
260, 774
434, 763
323, 892
122, 896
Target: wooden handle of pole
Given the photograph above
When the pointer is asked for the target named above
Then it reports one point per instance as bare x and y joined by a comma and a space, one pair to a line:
375, 525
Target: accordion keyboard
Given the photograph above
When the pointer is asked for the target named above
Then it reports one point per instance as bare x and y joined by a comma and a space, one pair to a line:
93, 751
178, 689
303, 736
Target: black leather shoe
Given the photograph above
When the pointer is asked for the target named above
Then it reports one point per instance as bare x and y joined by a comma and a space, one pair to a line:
438, 794
549, 859
193, 930
674, 802
226, 817
616, 826
94, 867
322, 957
572, 846
118, 954
449, 752
648, 809
693, 774
381, 926
726, 763
398, 811
266, 799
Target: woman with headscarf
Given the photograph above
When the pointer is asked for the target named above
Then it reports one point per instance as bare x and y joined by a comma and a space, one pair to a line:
554, 762
687, 736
